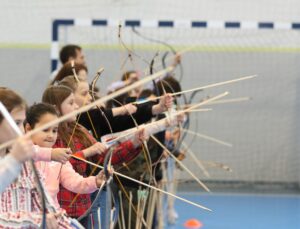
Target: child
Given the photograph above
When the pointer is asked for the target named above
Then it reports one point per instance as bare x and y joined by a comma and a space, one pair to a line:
16, 105
66, 70
36, 116
73, 135
100, 121
22, 149
21, 200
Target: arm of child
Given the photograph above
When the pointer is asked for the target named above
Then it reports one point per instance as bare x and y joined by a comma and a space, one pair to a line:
96, 148
74, 182
42, 154
124, 110
61, 155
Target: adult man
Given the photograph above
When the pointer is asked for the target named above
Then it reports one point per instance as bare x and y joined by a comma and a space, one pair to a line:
72, 52
67, 54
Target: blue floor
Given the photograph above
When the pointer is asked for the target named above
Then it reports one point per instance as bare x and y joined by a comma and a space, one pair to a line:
241, 211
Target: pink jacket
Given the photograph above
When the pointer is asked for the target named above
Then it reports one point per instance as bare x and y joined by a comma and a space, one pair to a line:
41, 153
68, 178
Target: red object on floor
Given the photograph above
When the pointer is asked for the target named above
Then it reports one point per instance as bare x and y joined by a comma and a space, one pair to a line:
193, 224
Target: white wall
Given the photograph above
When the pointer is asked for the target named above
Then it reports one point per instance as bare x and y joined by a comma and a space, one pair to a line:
23, 21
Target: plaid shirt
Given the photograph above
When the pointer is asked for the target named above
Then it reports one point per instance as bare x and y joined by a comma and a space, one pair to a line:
83, 201
20, 203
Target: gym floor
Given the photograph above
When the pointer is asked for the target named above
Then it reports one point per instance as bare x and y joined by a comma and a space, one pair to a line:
240, 211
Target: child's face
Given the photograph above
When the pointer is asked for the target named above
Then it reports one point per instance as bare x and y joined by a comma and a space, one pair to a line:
6, 132
68, 106
82, 95
47, 137
134, 77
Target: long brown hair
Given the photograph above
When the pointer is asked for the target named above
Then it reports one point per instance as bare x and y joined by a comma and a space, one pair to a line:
56, 95
11, 100
66, 70
70, 82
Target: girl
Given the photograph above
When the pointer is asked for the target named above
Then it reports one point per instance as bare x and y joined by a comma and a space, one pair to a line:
73, 135
22, 149
10, 165
66, 70
36, 116
21, 200
100, 121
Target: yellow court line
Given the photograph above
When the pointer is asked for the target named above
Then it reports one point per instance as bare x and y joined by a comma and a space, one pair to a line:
157, 47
